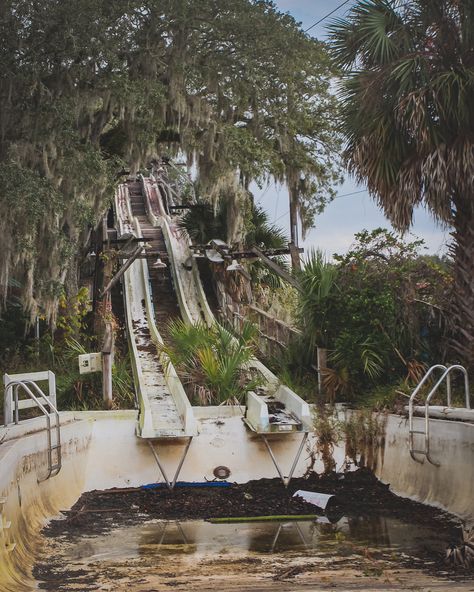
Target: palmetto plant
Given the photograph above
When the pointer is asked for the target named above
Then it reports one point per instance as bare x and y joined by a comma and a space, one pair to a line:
408, 91
211, 362
318, 283
354, 361
205, 222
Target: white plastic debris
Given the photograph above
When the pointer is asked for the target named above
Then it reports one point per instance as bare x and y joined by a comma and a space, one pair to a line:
313, 497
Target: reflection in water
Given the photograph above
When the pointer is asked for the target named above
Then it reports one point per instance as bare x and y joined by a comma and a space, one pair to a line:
286, 535
167, 536
168, 532
316, 537
374, 530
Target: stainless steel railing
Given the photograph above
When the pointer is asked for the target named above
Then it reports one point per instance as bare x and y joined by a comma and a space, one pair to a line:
53, 430
445, 377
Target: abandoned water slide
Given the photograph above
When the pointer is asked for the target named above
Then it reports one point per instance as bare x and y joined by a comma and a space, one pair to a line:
135, 533
153, 295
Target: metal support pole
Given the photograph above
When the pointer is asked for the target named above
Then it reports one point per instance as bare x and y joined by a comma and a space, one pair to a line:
178, 524
270, 452
158, 462
171, 484
178, 470
297, 457
285, 481
275, 538
278, 532
163, 532
300, 532
8, 405
15, 390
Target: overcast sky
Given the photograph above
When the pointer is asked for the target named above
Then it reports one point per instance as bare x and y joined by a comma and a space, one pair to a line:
345, 216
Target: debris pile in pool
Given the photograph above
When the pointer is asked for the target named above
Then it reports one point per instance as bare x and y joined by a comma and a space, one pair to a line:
356, 493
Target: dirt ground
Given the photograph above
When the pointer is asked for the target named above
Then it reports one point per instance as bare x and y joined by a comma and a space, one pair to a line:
87, 548
278, 572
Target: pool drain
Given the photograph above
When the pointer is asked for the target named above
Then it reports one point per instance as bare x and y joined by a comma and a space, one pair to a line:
221, 472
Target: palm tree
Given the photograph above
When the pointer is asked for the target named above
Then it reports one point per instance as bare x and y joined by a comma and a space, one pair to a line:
408, 118
318, 281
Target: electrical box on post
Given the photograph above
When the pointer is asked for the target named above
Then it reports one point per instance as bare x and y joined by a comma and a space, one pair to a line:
90, 363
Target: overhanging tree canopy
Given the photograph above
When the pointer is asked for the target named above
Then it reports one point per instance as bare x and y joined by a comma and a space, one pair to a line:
86, 84
408, 92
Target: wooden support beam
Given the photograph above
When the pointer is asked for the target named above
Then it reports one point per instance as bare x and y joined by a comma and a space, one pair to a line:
186, 207
246, 254
118, 241
121, 271
107, 363
295, 256
149, 254
263, 313
277, 269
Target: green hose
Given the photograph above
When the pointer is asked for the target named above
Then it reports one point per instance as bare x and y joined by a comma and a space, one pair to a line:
282, 518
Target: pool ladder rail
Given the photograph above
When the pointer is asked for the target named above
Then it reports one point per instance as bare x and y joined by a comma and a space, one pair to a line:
42, 401
445, 377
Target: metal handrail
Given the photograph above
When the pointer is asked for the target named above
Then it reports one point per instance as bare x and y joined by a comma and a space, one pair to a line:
445, 376
16, 385
412, 399
448, 382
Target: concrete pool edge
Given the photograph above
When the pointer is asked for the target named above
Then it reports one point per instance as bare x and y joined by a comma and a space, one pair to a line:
101, 451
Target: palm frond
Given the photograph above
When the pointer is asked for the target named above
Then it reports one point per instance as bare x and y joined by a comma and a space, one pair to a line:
211, 361
318, 280
407, 91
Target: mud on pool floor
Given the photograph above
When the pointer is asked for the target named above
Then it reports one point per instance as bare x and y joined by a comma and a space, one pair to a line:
153, 539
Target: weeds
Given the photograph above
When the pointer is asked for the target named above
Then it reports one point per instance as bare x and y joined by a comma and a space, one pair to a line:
328, 434
59, 353
363, 432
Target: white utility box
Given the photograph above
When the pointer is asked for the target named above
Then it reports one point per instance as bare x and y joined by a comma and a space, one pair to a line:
90, 363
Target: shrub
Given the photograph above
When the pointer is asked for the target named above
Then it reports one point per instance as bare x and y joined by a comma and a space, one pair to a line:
211, 362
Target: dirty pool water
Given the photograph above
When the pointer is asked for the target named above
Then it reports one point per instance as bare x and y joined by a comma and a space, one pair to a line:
353, 553
203, 538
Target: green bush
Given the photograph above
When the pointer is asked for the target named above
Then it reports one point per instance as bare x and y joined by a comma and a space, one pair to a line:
211, 362
379, 310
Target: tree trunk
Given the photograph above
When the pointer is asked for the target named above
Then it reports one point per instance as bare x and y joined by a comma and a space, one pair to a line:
295, 257
463, 298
